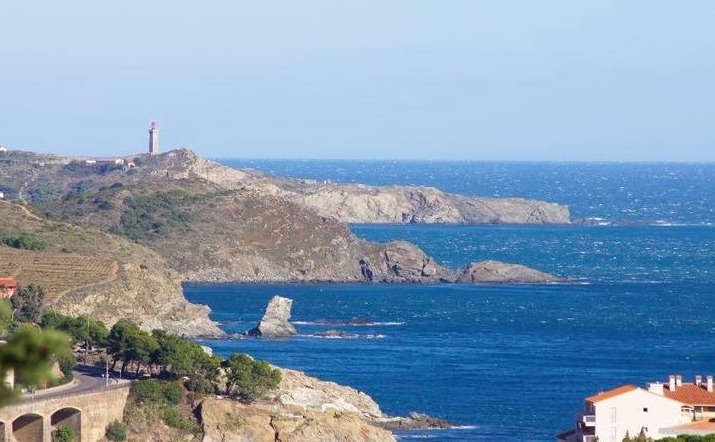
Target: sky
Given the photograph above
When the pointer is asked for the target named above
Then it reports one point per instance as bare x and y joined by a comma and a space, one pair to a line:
371, 79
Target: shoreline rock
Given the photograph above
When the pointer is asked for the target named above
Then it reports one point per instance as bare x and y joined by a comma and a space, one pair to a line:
415, 421
275, 322
491, 271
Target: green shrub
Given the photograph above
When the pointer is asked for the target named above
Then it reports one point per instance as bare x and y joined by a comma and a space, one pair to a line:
23, 241
67, 363
148, 391
64, 433
173, 392
249, 379
173, 418
151, 391
116, 432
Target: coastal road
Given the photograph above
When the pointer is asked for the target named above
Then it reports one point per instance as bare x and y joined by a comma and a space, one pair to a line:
86, 379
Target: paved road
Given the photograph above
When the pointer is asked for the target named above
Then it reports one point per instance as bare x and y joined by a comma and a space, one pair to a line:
87, 379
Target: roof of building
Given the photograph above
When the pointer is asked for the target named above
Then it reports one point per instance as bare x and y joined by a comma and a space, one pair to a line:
602, 396
8, 282
697, 428
691, 394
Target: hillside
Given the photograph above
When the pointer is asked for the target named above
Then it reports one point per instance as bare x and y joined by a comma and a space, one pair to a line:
214, 223
89, 272
50, 177
207, 233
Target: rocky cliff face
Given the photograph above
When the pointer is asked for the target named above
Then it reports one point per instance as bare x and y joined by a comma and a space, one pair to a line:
423, 205
304, 409
357, 203
231, 421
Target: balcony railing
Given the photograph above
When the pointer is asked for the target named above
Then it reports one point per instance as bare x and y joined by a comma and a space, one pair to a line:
589, 420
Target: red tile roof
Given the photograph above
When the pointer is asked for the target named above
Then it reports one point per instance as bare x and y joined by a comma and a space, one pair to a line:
611, 393
8, 282
691, 394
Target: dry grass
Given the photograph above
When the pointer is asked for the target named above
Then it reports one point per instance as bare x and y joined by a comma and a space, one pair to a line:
56, 272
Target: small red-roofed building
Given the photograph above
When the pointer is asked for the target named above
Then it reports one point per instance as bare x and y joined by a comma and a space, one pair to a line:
8, 288
610, 415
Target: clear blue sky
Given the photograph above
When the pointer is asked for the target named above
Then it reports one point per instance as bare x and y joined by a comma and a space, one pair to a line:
384, 79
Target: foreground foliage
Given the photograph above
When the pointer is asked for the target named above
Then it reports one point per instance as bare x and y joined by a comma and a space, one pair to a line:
30, 353
689, 438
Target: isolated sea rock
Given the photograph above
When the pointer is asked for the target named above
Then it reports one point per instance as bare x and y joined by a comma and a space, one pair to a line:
275, 322
500, 272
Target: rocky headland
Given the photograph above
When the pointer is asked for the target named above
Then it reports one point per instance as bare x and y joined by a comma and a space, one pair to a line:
177, 217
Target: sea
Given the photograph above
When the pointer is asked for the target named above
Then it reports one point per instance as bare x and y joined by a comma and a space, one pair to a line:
507, 362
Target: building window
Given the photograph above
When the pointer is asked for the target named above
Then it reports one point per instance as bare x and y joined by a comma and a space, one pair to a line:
645, 409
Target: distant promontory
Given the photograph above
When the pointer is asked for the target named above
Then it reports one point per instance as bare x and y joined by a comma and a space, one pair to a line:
191, 219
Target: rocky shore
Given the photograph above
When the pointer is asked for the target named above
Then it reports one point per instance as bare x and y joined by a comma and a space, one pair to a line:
306, 409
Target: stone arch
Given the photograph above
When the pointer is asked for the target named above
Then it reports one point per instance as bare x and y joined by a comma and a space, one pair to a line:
69, 416
28, 428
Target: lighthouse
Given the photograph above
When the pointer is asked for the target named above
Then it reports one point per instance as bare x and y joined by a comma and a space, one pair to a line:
153, 139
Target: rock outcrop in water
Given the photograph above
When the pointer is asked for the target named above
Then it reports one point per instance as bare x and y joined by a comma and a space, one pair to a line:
275, 322
501, 272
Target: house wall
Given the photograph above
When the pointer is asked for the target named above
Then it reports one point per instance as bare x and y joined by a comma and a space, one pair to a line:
625, 412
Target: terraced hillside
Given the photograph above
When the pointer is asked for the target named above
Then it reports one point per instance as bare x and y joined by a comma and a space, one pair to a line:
58, 273
90, 272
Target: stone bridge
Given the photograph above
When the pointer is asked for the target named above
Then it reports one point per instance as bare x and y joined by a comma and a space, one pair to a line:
87, 409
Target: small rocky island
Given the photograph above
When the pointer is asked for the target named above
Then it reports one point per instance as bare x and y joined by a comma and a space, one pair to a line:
275, 322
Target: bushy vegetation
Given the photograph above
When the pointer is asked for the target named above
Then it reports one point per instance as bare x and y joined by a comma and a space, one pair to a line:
116, 432
149, 216
24, 240
158, 392
248, 379
64, 433
91, 332
689, 438
173, 418
29, 304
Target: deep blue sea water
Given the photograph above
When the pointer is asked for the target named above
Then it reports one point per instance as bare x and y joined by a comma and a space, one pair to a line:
512, 363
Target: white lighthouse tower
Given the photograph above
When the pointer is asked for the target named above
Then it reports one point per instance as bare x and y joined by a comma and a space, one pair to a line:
153, 139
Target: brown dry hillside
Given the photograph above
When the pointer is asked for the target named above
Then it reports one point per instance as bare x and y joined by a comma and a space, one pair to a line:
209, 233
91, 272
58, 273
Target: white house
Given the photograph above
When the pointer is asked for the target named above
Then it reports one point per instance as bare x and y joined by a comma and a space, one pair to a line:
609, 415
